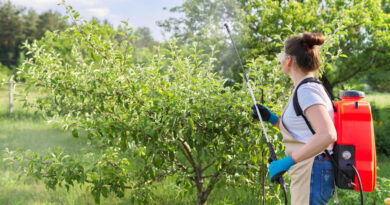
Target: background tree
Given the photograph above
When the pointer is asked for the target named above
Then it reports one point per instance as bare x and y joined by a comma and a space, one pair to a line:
31, 25
144, 45
11, 33
50, 21
202, 22
355, 29
17, 26
145, 39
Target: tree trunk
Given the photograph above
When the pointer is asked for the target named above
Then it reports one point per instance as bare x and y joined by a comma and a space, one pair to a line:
204, 192
328, 86
202, 200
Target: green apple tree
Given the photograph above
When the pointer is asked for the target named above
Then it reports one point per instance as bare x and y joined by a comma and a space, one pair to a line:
171, 116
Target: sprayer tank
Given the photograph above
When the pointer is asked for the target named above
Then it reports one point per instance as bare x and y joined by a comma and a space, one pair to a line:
354, 125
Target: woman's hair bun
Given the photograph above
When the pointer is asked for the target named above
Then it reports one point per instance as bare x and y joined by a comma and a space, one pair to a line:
312, 39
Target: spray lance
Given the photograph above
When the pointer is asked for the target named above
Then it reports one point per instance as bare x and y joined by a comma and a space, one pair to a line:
279, 177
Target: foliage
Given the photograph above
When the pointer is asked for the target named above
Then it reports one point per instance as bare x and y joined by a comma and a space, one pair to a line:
382, 133
145, 39
18, 25
4, 73
143, 45
355, 30
379, 81
202, 22
172, 113
202, 19
358, 30
381, 129
380, 107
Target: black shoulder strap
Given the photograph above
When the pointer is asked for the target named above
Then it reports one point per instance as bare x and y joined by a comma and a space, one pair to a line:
297, 107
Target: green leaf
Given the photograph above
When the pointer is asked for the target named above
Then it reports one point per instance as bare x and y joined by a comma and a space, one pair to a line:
343, 56
125, 23
75, 133
190, 127
93, 55
76, 15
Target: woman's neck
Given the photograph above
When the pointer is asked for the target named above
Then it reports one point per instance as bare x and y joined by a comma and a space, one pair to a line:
297, 76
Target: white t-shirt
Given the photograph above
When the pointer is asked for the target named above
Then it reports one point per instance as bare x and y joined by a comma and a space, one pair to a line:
308, 94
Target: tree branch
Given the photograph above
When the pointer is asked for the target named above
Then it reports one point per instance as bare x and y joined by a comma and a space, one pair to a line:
207, 176
177, 162
158, 177
373, 59
213, 181
186, 149
110, 184
209, 165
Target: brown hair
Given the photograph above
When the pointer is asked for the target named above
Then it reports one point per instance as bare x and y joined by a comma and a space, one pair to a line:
305, 50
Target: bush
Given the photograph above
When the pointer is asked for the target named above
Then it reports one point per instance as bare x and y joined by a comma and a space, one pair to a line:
4, 73
381, 129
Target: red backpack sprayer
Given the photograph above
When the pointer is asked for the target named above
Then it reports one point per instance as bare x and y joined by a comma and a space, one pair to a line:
356, 144
354, 156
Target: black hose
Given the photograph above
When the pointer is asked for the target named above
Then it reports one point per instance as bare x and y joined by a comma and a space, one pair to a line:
360, 184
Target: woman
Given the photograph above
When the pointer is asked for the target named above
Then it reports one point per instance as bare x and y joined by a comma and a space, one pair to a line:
312, 179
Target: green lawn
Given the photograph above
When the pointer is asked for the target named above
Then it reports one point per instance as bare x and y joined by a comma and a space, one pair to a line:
27, 130
381, 100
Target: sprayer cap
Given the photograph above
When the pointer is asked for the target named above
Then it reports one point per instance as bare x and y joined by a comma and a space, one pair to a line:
352, 93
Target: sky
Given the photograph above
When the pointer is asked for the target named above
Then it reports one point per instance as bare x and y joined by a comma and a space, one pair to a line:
138, 13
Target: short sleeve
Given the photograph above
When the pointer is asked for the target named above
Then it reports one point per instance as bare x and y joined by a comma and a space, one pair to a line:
310, 94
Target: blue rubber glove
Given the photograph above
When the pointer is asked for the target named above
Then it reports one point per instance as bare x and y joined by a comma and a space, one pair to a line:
265, 113
280, 166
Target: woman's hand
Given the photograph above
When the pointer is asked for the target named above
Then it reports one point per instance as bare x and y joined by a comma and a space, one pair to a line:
278, 167
265, 113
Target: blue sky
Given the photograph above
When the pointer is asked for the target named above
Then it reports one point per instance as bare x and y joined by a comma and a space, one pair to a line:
139, 13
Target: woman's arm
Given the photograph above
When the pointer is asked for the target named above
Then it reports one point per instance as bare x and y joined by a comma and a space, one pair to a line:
324, 136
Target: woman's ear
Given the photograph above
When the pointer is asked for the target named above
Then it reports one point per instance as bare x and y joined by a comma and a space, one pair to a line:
290, 60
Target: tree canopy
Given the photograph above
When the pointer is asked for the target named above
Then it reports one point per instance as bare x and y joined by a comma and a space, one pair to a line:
356, 31
18, 25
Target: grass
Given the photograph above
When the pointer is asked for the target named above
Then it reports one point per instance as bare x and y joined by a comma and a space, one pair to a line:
381, 100
26, 130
